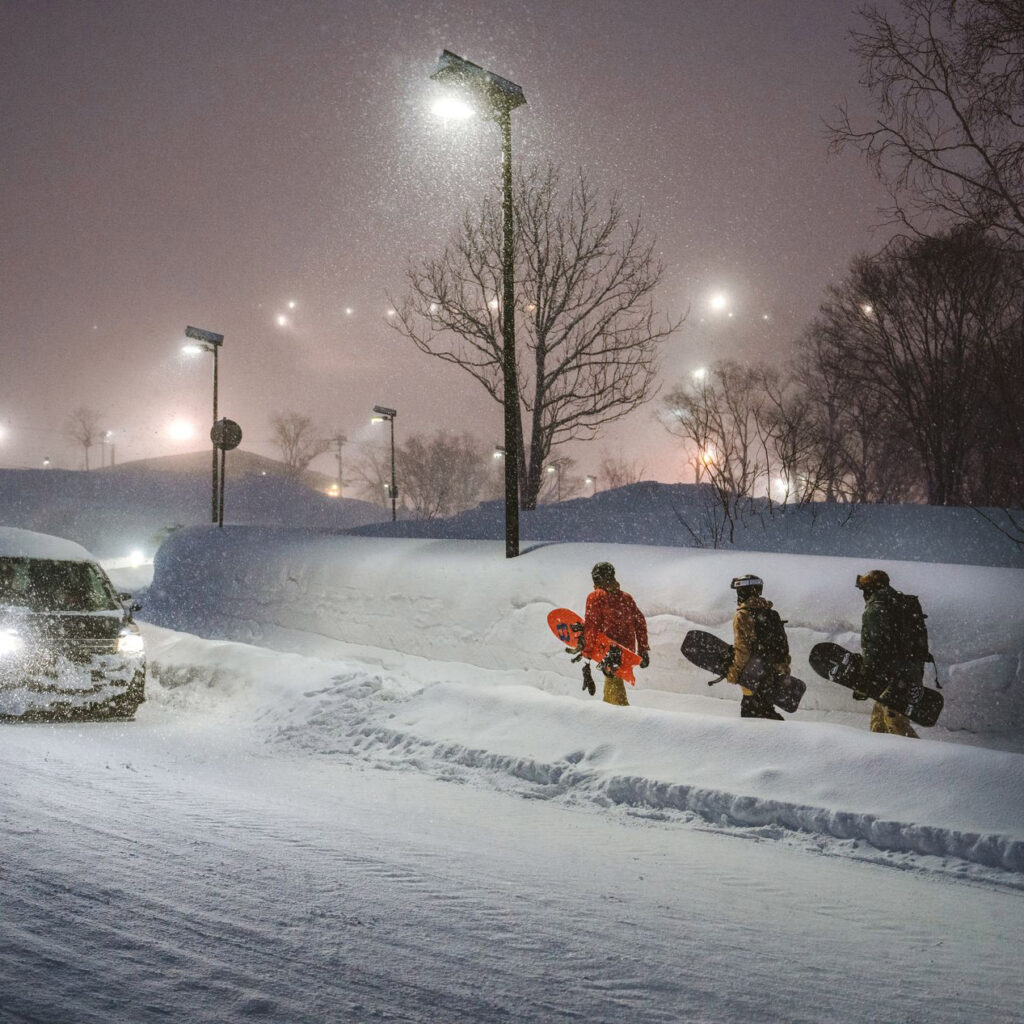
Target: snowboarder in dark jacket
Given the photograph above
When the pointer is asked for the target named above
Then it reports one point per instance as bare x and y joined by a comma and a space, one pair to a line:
613, 612
748, 635
886, 650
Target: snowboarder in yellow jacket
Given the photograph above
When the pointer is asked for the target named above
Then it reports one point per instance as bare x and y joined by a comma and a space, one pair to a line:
756, 634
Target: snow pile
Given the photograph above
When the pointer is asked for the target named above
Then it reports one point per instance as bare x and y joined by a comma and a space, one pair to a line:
114, 513
464, 602
942, 806
685, 515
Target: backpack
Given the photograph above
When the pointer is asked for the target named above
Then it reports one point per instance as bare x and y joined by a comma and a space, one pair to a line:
771, 642
913, 632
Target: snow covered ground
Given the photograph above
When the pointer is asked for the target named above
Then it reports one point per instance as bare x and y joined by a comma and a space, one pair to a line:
367, 786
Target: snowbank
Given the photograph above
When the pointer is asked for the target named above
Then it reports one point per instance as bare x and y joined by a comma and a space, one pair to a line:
462, 601
684, 515
939, 806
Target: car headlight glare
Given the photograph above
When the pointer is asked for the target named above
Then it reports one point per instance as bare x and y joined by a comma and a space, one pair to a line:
10, 643
130, 643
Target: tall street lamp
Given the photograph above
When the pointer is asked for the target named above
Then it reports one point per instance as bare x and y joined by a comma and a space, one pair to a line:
497, 97
388, 415
208, 341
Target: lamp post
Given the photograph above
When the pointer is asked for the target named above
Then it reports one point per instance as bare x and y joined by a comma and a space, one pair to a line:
388, 415
498, 97
338, 441
592, 480
556, 468
208, 341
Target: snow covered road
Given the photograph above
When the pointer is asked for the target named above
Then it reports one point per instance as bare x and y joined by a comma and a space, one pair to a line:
197, 866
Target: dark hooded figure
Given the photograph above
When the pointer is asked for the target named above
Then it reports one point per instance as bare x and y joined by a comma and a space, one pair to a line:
886, 650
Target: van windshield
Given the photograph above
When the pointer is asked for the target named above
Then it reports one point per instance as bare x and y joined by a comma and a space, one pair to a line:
48, 585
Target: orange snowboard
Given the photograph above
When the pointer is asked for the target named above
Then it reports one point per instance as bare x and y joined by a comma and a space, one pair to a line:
568, 627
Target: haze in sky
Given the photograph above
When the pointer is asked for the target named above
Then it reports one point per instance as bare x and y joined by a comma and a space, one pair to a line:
267, 170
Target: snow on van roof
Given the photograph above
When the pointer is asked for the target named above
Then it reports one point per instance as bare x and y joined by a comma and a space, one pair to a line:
15, 543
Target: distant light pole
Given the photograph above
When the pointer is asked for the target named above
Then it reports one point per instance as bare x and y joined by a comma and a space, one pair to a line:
208, 341
592, 480
107, 442
498, 97
556, 468
388, 415
338, 441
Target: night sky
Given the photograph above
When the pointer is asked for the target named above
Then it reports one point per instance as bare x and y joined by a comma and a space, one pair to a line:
169, 163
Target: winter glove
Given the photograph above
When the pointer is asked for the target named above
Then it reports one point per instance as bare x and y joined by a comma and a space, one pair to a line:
588, 681
645, 659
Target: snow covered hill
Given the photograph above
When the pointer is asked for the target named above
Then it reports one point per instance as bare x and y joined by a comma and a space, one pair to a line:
468, 678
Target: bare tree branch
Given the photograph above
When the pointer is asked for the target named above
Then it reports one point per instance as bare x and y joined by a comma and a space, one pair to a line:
588, 332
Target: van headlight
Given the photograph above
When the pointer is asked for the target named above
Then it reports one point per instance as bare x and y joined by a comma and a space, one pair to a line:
11, 643
130, 643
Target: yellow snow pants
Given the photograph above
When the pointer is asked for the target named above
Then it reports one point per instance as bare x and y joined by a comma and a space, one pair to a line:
615, 691
885, 720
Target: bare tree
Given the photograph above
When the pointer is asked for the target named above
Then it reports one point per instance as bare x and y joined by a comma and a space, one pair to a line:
298, 440
947, 79
561, 481
587, 330
442, 474
859, 451
912, 327
83, 427
721, 416
437, 476
618, 471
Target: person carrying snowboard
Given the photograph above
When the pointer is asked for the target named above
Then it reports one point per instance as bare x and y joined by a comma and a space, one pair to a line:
760, 640
894, 646
613, 612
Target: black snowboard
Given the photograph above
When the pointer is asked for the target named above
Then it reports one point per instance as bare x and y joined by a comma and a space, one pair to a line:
846, 668
708, 652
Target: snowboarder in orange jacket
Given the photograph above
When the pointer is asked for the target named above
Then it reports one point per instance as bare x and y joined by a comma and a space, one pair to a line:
613, 612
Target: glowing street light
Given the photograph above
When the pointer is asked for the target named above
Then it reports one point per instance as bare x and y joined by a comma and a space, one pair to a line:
208, 341
592, 480
496, 98
388, 415
451, 108
718, 302
180, 430
107, 441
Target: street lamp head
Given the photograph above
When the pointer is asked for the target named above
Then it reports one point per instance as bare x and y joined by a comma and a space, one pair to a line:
497, 94
207, 337
388, 414
451, 108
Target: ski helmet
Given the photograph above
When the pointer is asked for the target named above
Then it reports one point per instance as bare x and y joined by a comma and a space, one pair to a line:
747, 586
746, 582
873, 580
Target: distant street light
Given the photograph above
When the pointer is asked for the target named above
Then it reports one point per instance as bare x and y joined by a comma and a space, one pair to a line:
592, 480
208, 341
388, 415
107, 442
497, 97
556, 468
